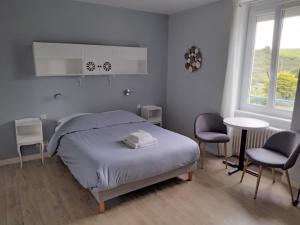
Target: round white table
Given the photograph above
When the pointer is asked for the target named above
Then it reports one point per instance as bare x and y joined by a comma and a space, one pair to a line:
244, 124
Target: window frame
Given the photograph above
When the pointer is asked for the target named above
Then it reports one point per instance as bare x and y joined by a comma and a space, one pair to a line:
276, 10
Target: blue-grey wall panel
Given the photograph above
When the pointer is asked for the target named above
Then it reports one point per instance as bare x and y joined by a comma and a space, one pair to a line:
24, 95
189, 94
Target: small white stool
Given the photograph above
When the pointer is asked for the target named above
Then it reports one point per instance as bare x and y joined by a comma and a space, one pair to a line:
29, 132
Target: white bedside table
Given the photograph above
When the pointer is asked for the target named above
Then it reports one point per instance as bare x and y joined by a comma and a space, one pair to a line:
152, 113
29, 132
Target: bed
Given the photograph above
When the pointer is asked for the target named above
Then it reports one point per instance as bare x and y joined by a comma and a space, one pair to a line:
91, 146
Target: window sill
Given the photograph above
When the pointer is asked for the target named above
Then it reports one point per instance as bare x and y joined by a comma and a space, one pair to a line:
278, 122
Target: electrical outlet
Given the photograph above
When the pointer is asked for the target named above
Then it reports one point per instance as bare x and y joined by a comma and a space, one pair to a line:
43, 116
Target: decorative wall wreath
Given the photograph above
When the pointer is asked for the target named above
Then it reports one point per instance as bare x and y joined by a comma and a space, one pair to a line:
193, 59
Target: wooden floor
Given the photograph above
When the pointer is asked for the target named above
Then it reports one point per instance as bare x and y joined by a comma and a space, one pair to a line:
50, 195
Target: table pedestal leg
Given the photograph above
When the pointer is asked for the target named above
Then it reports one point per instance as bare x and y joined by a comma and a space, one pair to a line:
242, 149
240, 165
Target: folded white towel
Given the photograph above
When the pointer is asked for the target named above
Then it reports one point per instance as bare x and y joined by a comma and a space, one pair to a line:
140, 139
139, 136
140, 145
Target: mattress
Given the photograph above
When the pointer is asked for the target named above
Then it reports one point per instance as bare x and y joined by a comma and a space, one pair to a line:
91, 146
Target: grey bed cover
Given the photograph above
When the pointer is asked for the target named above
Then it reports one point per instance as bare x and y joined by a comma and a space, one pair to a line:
91, 147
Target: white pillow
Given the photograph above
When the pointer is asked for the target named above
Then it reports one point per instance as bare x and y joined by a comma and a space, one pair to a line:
63, 120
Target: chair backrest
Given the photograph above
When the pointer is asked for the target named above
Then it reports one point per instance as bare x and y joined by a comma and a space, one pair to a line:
209, 122
286, 143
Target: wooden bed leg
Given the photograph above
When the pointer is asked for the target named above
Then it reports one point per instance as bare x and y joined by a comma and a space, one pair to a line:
190, 176
101, 207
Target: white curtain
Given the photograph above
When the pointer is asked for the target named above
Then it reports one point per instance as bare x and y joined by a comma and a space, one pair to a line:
235, 61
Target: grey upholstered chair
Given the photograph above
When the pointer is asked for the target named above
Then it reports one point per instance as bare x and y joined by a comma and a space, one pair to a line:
209, 128
280, 151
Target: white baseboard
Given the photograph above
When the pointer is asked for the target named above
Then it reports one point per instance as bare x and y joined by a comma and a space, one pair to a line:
24, 159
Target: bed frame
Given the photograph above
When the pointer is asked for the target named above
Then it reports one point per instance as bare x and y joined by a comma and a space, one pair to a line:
102, 196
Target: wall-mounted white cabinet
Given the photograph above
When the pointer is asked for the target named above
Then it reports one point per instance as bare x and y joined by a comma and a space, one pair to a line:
56, 59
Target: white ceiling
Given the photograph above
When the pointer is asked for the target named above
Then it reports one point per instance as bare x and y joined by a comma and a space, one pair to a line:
155, 6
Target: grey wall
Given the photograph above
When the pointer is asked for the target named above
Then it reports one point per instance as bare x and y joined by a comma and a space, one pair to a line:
24, 95
189, 94
296, 114
295, 175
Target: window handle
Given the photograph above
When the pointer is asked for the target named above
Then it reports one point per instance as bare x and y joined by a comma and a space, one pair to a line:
268, 74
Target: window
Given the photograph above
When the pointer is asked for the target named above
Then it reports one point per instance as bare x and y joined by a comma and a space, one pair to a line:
272, 60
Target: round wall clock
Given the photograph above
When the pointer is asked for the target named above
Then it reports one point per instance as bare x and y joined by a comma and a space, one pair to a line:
193, 58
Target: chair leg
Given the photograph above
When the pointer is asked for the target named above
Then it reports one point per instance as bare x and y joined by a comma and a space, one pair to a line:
244, 170
42, 152
20, 156
218, 149
258, 180
273, 175
289, 184
225, 153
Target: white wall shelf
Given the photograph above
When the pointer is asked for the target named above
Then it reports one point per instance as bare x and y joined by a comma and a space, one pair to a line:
57, 59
